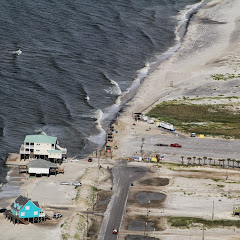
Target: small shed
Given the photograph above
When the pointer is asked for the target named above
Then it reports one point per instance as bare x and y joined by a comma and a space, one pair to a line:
41, 167
137, 116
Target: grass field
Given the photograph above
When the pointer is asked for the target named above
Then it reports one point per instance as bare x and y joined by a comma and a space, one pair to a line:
187, 222
216, 120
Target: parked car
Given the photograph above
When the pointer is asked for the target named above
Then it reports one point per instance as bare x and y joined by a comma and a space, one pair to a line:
90, 160
193, 134
175, 145
64, 183
2, 210
74, 160
57, 215
64, 160
77, 184
115, 231
161, 144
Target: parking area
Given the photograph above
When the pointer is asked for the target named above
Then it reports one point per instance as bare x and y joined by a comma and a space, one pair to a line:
147, 142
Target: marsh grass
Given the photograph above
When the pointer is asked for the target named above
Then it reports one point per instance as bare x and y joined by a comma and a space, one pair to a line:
216, 120
187, 222
225, 77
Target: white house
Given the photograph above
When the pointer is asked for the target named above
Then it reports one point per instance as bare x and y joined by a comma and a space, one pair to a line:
41, 167
42, 146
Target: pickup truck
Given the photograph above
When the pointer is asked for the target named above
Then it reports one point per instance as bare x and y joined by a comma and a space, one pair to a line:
175, 145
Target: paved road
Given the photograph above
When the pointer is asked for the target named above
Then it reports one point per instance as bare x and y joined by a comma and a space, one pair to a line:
123, 176
191, 146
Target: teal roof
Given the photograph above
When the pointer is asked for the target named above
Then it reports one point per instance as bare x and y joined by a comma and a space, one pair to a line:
54, 151
40, 139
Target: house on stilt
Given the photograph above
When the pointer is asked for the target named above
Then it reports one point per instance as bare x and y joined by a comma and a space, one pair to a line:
42, 147
25, 211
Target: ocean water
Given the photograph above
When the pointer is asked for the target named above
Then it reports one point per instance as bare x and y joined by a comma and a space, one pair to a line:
77, 59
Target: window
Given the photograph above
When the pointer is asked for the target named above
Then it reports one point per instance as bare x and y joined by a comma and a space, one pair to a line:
35, 213
22, 214
27, 207
27, 143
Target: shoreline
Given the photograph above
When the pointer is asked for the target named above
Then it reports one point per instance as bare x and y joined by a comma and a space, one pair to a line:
158, 60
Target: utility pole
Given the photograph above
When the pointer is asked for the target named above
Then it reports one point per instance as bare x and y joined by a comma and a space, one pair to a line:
93, 201
203, 233
213, 210
145, 230
87, 224
98, 165
226, 174
141, 151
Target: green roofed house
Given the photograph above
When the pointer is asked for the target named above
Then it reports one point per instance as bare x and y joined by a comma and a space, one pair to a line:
43, 147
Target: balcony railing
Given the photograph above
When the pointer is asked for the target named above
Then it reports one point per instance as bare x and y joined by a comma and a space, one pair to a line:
42, 214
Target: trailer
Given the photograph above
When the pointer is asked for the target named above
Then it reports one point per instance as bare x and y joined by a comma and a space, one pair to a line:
166, 125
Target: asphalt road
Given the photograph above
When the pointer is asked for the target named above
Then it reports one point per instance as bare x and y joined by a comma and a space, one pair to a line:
191, 146
123, 177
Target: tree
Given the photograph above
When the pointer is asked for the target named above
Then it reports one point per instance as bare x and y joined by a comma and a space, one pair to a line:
189, 159
238, 161
228, 160
210, 160
199, 159
233, 161
221, 162
182, 159
204, 159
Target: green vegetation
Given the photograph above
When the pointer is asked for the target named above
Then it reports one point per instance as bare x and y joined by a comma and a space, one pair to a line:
187, 222
225, 76
65, 236
216, 120
216, 179
93, 191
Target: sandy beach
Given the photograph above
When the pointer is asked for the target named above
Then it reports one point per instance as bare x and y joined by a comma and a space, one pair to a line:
211, 46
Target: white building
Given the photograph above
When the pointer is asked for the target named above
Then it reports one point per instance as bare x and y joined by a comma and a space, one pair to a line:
41, 167
42, 146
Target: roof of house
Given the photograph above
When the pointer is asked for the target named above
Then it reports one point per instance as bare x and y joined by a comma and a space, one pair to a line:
54, 151
22, 201
40, 139
40, 163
